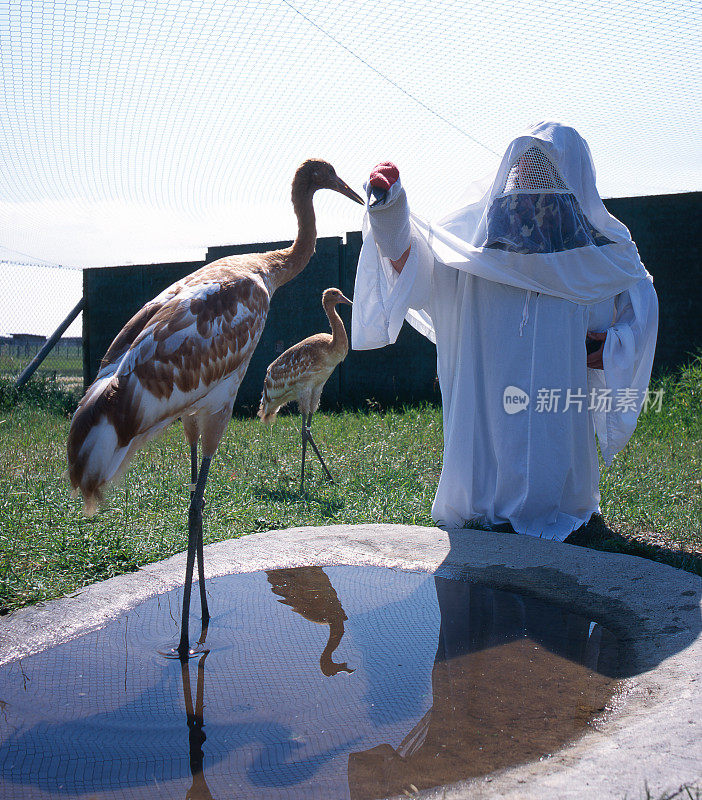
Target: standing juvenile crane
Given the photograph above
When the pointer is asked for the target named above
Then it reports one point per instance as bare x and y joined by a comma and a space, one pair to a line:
184, 356
302, 370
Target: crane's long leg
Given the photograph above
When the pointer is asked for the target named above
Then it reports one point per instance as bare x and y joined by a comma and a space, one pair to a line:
199, 547
308, 434
193, 468
304, 451
194, 535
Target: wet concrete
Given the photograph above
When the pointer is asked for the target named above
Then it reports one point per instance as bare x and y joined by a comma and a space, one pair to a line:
651, 736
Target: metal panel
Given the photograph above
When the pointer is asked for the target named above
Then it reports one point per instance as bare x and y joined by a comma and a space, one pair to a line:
112, 296
667, 230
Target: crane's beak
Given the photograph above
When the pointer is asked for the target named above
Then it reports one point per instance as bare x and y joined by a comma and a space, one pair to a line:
345, 189
344, 299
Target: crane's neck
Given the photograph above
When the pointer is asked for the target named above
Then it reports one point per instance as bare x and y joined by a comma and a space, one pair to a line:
340, 341
294, 259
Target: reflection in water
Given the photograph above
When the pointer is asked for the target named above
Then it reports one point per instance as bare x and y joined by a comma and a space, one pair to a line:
309, 592
199, 790
101, 716
512, 681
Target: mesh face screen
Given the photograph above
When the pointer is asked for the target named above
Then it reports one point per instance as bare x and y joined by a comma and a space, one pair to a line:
533, 171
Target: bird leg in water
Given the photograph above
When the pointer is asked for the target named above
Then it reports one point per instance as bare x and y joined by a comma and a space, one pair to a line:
196, 733
194, 545
307, 437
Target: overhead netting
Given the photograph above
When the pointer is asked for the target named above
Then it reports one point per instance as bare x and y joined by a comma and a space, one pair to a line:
145, 131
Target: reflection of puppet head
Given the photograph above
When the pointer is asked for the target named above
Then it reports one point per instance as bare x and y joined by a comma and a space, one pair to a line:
308, 591
536, 213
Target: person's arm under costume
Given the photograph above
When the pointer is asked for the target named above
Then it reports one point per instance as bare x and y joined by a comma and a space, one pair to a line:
625, 362
595, 343
393, 280
391, 231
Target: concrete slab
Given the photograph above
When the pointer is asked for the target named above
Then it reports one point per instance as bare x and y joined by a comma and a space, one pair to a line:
652, 738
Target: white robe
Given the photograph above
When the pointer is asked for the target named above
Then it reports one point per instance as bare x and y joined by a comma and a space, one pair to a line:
498, 326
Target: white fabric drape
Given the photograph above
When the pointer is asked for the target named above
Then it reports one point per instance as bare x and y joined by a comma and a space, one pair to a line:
502, 319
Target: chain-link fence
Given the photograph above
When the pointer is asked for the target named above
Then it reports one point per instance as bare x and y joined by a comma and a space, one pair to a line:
145, 131
34, 301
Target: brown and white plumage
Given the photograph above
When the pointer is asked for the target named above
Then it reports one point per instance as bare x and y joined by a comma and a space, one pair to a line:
184, 355
299, 374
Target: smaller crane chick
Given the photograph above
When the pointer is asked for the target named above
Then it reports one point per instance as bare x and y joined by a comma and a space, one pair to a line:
302, 370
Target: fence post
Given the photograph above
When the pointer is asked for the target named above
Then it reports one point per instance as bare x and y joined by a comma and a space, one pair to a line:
48, 346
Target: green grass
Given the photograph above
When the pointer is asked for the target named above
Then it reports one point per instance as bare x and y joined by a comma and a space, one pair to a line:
386, 464
386, 467
684, 792
653, 490
42, 393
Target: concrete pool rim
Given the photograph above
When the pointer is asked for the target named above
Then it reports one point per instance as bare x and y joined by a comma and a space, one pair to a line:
652, 738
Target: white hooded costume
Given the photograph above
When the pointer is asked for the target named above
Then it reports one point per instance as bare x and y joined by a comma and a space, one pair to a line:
508, 287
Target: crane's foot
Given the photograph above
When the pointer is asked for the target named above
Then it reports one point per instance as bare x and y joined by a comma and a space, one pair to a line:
174, 654
182, 654
186, 649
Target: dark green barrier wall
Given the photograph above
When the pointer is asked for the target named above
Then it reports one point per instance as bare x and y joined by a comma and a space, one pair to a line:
666, 229
404, 372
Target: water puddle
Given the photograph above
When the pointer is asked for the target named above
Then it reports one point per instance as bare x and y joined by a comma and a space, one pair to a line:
334, 682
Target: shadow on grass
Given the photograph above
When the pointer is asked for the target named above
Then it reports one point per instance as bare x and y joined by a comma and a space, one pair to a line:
328, 507
598, 536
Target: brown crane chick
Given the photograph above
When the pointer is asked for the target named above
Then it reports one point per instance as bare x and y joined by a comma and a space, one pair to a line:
300, 373
183, 356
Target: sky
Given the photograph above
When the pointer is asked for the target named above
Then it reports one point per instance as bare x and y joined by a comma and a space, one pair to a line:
144, 131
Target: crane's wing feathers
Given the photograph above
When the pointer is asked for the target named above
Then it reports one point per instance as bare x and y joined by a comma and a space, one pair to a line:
302, 361
298, 370
193, 349
187, 350
136, 325
198, 337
